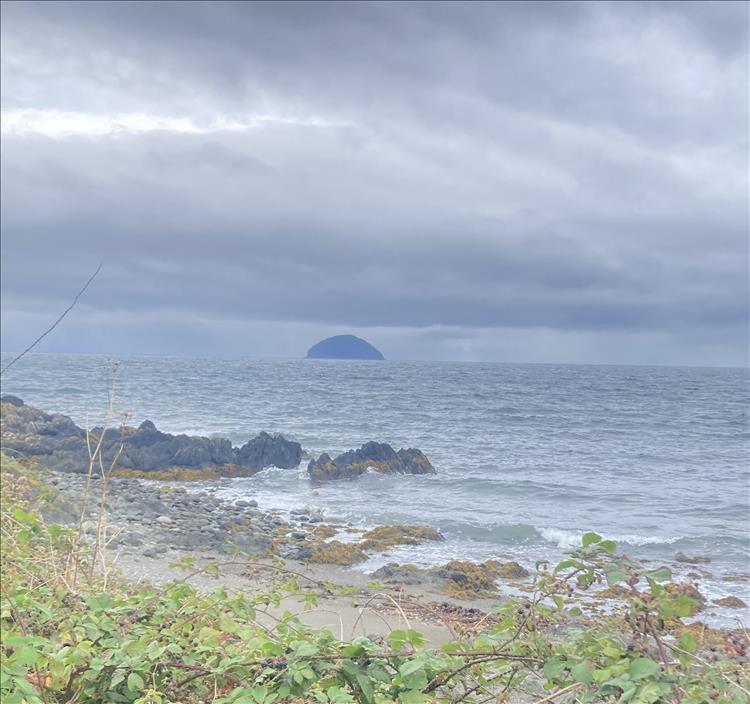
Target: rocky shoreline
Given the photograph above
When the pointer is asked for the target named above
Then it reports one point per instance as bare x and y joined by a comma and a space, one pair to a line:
56, 442
143, 519
168, 519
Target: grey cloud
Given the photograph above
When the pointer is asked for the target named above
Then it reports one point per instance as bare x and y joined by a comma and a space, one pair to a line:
541, 168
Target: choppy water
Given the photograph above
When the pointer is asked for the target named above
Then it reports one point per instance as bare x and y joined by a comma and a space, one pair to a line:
528, 456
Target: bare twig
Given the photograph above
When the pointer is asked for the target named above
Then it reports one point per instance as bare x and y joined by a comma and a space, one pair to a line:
54, 325
558, 693
707, 664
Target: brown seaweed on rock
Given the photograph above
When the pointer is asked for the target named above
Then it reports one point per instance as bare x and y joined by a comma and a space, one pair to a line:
376, 456
460, 579
378, 539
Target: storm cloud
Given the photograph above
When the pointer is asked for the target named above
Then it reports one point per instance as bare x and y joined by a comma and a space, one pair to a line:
494, 181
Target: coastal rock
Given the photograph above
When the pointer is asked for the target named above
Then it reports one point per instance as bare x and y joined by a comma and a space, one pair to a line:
692, 560
269, 451
375, 456
150, 449
30, 432
731, 602
458, 578
12, 400
344, 347
59, 444
385, 537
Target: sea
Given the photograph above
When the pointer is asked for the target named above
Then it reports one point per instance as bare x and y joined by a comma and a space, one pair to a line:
528, 456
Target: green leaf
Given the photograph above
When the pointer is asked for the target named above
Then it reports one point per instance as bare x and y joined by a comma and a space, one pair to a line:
378, 672
559, 601
366, 686
663, 574
410, 667
25, 655
687, 642
582, 673
336, 695
553, 669
565, 564
640, 668
304, 649
24, 517
590, 538
609, 546
413, 696
415, 638
616, 576
103, 602
651, 692
135, 682
397, 639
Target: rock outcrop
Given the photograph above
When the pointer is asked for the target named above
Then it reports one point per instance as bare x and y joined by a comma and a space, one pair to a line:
458, 578
373, 456
12, 400
60, 444
344, 347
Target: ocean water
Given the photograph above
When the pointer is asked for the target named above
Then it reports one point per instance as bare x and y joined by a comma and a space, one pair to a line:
528, 457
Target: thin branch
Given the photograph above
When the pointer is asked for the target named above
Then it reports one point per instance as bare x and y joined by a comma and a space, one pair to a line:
54, 325
558, 693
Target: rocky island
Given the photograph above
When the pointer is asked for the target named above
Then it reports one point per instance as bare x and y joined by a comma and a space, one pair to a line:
344, 347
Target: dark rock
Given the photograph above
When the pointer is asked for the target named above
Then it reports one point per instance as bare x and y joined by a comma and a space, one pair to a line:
295, 552
59, 444
378, 457
694, 560
269, 450
12, 400
150, 449
344, 347
415, 462
731, 602
34, 433
404, 574
253, 543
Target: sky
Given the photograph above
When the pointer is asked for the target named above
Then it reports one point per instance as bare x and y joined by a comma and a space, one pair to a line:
514, 182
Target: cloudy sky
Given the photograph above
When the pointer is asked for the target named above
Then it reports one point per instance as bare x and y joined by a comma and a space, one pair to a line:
535, 182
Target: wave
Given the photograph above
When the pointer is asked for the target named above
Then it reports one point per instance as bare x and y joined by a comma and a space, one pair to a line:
517, 533
492, 533
572, 538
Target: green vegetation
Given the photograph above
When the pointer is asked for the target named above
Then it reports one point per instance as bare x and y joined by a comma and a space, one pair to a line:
73, 634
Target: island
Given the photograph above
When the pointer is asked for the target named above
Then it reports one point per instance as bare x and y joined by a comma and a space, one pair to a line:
344, 347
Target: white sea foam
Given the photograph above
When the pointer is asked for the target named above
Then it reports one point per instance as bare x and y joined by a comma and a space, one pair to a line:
572, 539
